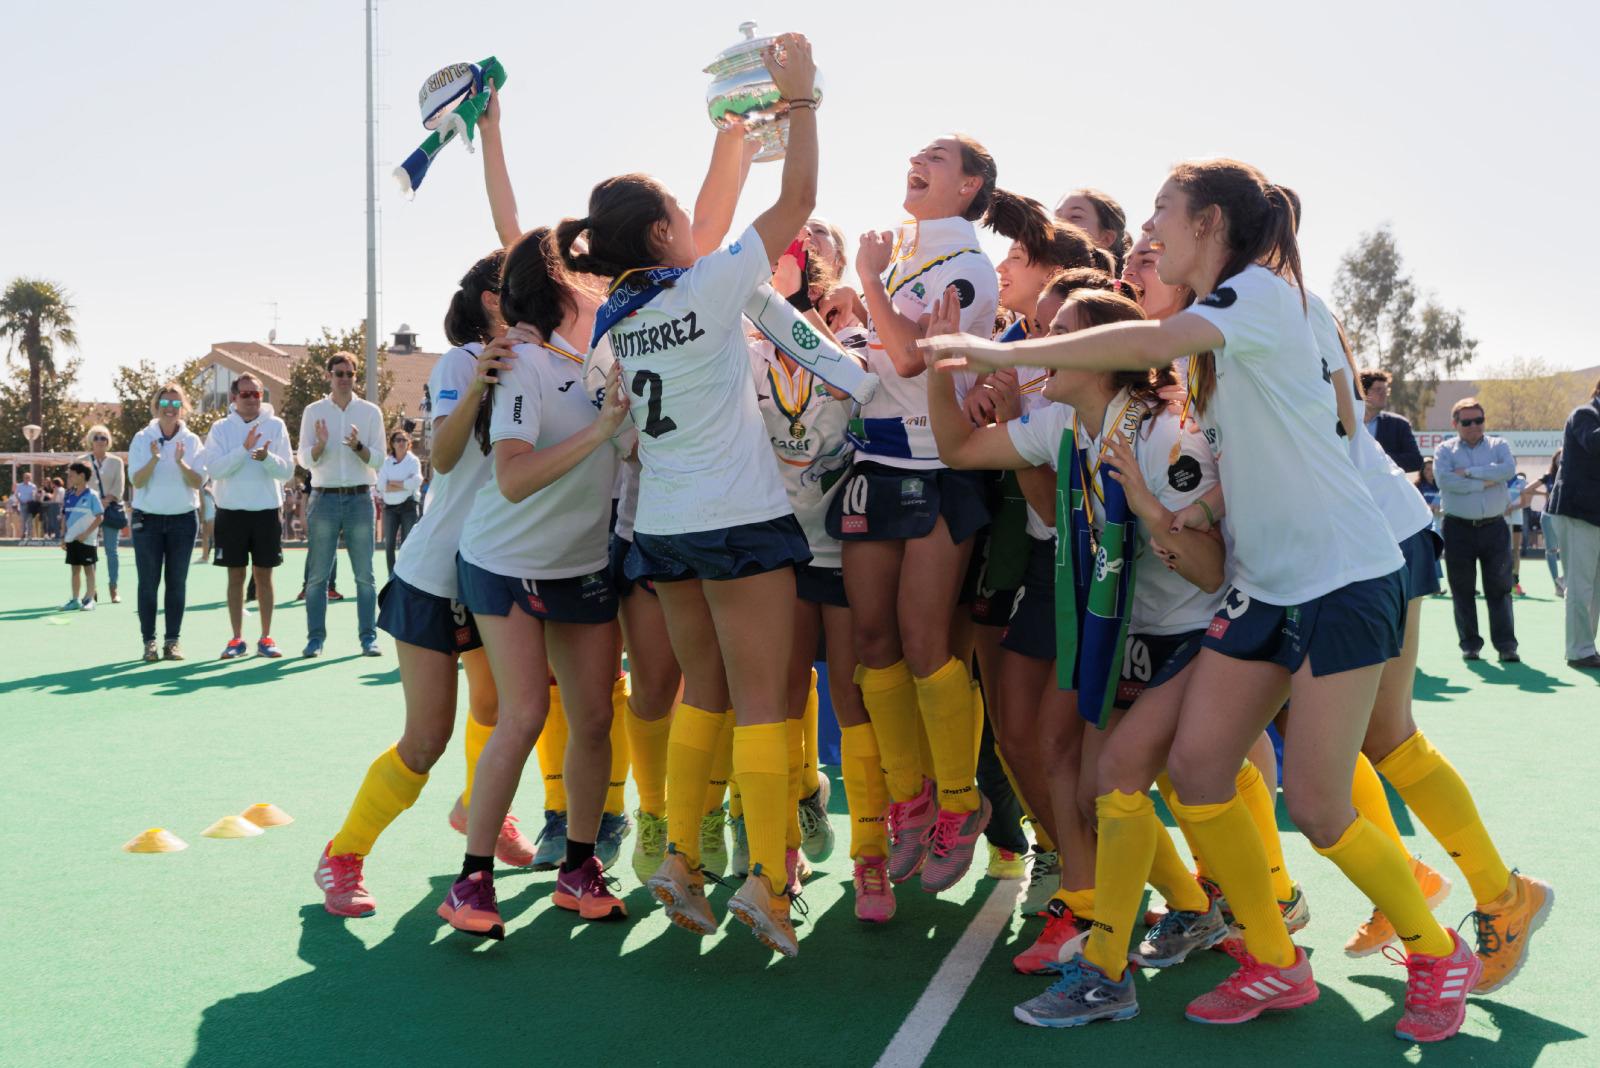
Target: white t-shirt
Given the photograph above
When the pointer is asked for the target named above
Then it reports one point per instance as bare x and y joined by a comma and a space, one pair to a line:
1402, 506
427, 558
814, 461
165, 493
936, 255
1299, 515
1177, 467
407, 471
563, 530
703, 452
340, 465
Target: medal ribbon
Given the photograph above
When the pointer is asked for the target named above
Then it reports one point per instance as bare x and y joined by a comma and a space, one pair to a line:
799, 386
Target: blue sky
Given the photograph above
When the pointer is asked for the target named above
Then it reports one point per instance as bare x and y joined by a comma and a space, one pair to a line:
181, 166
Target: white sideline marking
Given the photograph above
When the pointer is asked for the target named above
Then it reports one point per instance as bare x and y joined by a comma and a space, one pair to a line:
911, 1044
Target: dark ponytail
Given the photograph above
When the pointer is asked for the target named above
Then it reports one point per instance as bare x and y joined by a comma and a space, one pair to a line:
535, 287
466, 321
1046, 240
616, 234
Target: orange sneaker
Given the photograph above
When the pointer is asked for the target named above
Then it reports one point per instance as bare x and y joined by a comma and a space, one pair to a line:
470, 907
512, 846
1504, 927
344, 892
765, 913
1377, 932
682, 890
586, 891
1062, 938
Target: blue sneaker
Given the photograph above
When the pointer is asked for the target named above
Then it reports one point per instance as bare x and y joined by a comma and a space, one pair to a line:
313, 648
1082, 995
235, 649
614, 827
550, 847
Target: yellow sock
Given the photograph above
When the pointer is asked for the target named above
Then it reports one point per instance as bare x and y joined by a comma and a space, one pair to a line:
945, 698
388, 790
925, 765
616, 803
721, 766
477, 736
1367, 792
810, 781
1382, 871
1252, 789
1128, 829
1081, 902
551, 749
1171, 877
1170, 795
691, 750
795, 740
1228, 838
647, 748
890, 696
866, 793
735, 802
761, 764
1433, 789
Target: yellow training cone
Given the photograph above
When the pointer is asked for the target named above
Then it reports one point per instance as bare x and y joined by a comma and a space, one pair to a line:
266, 814
232, 827
155, 840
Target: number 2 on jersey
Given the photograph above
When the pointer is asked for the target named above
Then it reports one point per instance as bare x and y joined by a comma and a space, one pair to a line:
654, 424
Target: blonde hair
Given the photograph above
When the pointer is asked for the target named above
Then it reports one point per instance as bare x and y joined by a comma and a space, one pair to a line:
98, 428
162, 391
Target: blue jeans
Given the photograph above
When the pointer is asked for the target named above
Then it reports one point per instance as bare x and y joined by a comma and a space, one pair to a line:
162, 542
111, 538
327, 516
1551, 525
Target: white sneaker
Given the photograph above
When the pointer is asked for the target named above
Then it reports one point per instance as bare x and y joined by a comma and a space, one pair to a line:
88, 604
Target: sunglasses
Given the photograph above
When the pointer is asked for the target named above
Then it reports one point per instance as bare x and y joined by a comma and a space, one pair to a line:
342, 374
249, 394
101, 437
165, 402
1473, 422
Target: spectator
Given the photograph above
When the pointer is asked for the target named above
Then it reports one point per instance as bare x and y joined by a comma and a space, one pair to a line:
52, 508
1392, 431
1516, 491
1430, 493
1575, 501
13, 515
1550, 525
335, 437
81, 517
400, 479
208, 521
248, 458
164, 516
1472, 469
110, 485
29, 504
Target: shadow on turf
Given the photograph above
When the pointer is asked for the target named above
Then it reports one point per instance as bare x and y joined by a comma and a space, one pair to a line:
1522, 1039
180, 676
1523, 676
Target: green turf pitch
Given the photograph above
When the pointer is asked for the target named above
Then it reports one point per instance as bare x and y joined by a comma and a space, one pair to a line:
222, 955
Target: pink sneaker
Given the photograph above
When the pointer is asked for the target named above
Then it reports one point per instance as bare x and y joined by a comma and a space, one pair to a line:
470, 906
874, 891
797, 869
512, 847
339, 878
1436, 991
951, 842
1254, 989
1062, 939
907, 823
586, 891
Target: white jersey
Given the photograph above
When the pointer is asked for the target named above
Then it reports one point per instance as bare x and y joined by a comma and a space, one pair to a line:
1299, 515
935, 255
1177, 467
563, 530
427, 558
1402, 506
704, 459
626, 494
806, 425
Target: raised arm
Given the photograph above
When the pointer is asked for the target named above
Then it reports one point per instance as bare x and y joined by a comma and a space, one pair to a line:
1130, 346
795, 78
496, 177
719, 193
898, 334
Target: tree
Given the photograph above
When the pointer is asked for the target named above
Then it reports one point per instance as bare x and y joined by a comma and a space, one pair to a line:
308, 378
1392, 326
1529, 394
136, 385
59, 415
35, 314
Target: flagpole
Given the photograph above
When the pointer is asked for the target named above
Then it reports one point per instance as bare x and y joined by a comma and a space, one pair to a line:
372, 228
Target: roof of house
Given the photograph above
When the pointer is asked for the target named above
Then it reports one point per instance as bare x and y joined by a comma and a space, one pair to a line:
410, 370
1445, 396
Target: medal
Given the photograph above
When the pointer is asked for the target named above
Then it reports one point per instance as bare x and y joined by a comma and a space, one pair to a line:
797, 429
791, 386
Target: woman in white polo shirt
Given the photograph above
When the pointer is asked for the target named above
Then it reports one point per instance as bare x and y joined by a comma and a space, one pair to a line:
164, 524
398, 481
109, 480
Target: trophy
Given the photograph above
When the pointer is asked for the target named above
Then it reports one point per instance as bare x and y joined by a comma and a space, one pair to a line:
742, 88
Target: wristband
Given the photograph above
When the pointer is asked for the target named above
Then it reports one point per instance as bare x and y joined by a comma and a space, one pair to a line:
1206, 508
801, 102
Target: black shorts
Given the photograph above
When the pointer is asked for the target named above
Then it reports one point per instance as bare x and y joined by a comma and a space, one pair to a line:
878, 503
248, 537
718, 555
821, 585
1421, 551
1148, 660
423, 619
989, 605
82, 555
1354, 626
619, 581
32, 507
1031, 630
583, 599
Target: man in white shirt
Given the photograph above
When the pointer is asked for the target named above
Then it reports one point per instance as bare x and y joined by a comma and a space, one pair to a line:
338, 435
248, 457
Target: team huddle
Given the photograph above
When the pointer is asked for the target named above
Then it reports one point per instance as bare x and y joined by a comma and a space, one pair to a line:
1066, 529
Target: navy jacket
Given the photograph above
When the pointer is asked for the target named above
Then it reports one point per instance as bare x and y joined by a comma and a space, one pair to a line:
1577, 489
1394, 434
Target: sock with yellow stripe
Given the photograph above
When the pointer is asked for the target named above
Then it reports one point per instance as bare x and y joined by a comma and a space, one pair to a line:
721, 766
551, 749
945, 698
1170, 876
1128, 830
890, 697
1367, 793
761, 764
691, 750
795, 741
1382, 871
1227, 836
1081, 902
1169, 795
647, 748
1434, 790
866, 793
477, 736
810, 780
1262, 805
616, 802
388, 790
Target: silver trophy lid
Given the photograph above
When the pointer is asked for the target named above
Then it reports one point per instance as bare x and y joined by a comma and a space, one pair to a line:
743, 55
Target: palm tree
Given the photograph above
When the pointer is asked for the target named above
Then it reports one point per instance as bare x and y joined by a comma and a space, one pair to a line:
36, 313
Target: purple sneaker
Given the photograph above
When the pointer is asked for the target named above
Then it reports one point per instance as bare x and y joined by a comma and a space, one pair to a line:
907, 823
470, 906
586, 891
951, 841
